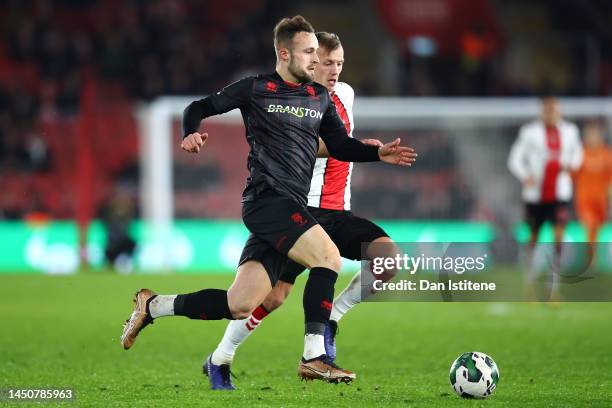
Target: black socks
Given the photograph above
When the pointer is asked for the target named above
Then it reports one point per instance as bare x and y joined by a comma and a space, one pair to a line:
211, 304
207, 304
318, 299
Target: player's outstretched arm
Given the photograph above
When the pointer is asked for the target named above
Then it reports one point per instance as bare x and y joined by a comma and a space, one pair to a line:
372, 142
393, 153
323, 152
344, 148
347, 149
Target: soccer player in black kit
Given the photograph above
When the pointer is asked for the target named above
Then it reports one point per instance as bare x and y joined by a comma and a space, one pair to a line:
284, 114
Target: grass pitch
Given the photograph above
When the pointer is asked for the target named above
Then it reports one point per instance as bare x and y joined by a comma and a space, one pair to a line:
64, 332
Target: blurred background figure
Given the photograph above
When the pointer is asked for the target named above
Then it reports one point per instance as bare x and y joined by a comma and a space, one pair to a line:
593, 183
117, 216
545, 153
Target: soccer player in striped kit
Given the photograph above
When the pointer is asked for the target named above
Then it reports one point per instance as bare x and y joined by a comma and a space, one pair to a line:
329, 203
543, 157
285, 115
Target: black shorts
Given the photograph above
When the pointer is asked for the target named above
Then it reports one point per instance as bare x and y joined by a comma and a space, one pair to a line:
537, 214
275, 222
345, 229
256, 249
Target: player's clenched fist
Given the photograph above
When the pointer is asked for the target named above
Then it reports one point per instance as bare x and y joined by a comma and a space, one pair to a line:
194, 142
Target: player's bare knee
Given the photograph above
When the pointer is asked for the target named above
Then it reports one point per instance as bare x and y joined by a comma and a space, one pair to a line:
277, 296
329, 258
336, 264
240, 308
241, 312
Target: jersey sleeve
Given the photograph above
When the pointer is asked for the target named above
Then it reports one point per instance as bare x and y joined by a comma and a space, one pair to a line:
346, 93
233, 96
516, 159
350, 96
350, 102
339, 145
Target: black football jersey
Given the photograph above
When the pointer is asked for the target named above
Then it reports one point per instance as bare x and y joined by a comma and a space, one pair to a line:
283, 123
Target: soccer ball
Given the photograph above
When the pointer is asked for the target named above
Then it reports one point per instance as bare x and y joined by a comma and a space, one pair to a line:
474, 375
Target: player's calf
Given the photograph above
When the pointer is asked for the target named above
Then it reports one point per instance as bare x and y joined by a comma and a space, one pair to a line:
251, 286
316, 250
277, 296
236, 333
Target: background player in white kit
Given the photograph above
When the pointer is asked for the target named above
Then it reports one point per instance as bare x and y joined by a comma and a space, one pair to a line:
545, 153
329, 203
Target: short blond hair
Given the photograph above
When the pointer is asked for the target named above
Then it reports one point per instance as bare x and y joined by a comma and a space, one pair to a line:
329, 41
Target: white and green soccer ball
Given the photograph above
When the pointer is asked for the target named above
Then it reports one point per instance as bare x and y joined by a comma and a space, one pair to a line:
474, 375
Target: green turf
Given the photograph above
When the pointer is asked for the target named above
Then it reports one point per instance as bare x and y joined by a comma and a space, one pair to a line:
64, 331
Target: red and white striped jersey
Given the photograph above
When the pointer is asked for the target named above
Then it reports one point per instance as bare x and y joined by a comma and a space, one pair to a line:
330, 187
547, 154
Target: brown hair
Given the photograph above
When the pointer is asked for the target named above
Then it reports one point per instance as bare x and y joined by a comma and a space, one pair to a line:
287, 28
329, 41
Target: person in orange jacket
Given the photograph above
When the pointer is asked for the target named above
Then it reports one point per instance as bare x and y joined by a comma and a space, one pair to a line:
593, 181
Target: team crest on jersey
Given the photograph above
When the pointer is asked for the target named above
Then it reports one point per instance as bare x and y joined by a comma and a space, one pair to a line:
271, 86
310, 90
298, 219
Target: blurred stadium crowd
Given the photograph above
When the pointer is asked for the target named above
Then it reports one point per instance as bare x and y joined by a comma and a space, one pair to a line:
72, 72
